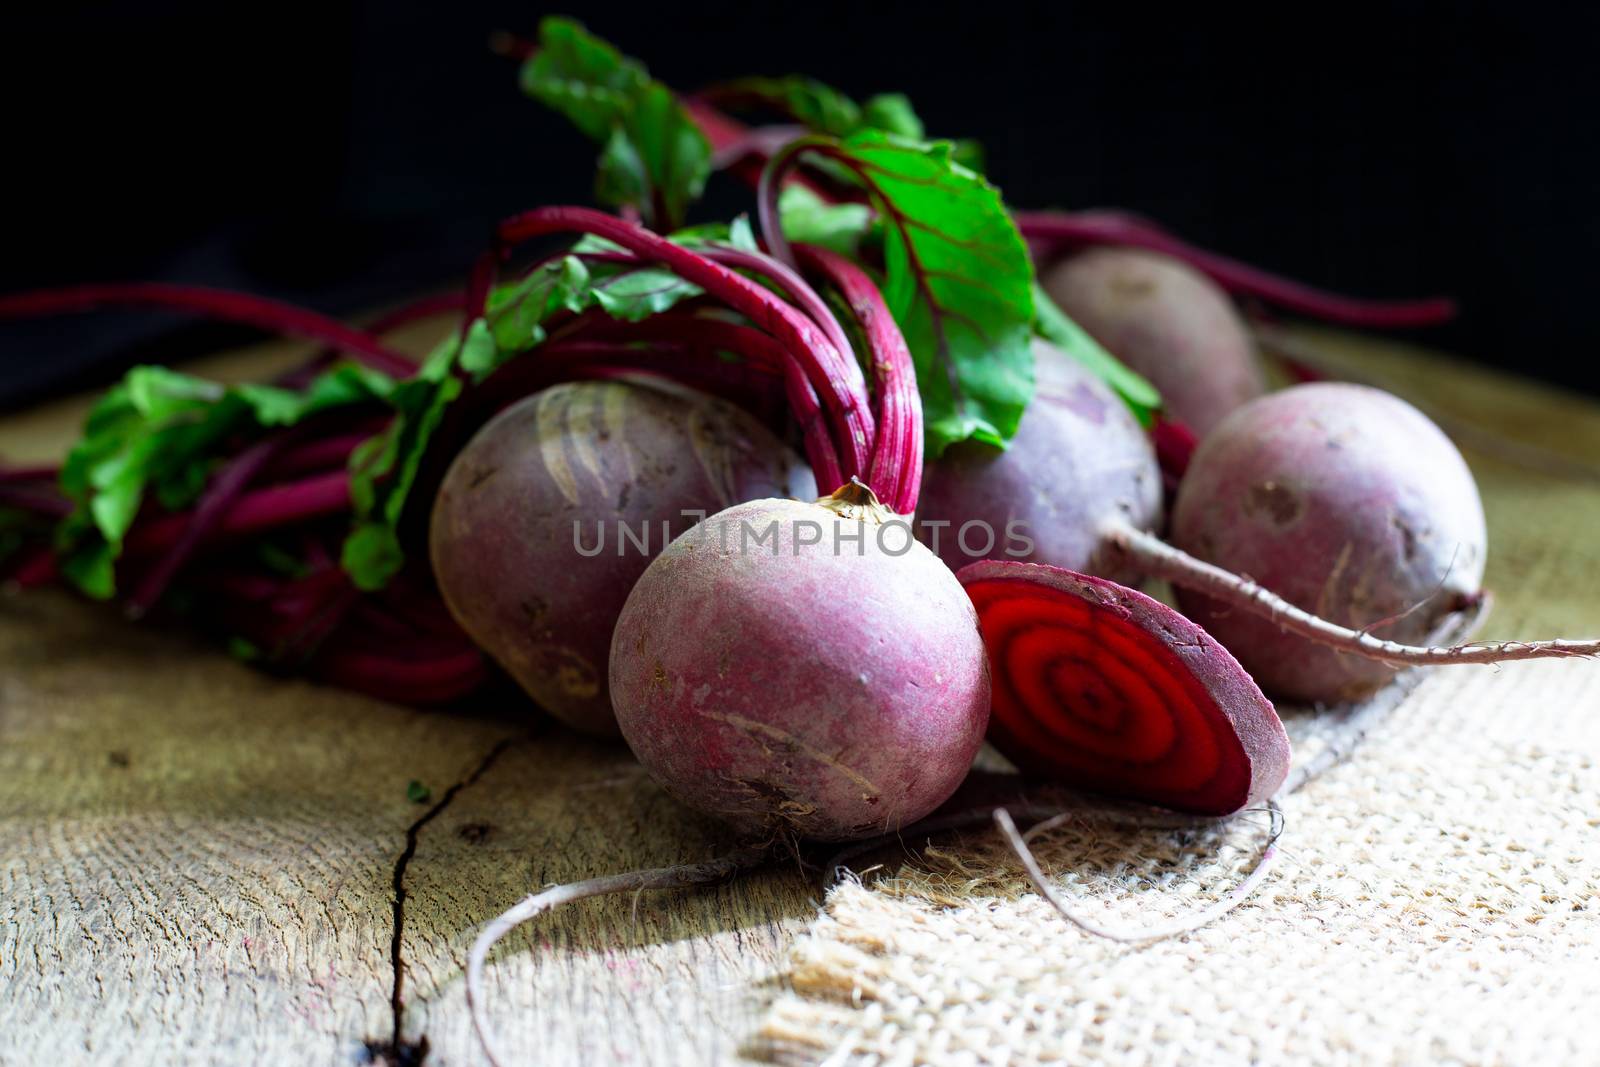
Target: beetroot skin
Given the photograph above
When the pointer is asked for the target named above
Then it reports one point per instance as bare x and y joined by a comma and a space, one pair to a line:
592, 453
799, 688
1347, 502
1078, 456
1167, 321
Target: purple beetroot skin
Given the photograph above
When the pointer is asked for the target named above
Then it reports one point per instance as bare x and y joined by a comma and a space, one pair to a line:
593, 454
827, 690
1077, 457
1167, 321
1345, 501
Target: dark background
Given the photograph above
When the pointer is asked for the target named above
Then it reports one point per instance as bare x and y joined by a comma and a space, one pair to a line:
349, 154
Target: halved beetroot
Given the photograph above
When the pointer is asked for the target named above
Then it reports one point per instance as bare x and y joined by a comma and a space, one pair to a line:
1103, 688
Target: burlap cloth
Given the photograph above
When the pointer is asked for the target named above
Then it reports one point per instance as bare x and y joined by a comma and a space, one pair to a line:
1435, 902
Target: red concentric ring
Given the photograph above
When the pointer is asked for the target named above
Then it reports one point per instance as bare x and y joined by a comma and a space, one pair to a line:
1102, 687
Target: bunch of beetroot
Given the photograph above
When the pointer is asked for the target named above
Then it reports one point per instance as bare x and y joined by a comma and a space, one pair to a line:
671, 481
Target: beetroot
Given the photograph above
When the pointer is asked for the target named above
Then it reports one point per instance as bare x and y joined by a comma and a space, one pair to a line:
1167, 321
831, 678
527, 534
1274, 636
876, 614
1345, 501
1110, 690
1078, 457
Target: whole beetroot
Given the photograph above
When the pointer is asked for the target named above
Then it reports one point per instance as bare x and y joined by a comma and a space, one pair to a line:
1167, 321
527, 540
802, 669
1078, 456
1347, 502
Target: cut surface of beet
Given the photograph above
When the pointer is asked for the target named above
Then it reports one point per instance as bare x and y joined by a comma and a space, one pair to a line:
1103, 688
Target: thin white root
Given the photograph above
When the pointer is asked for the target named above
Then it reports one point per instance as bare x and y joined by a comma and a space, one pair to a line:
1084, 807
531, 907
1188, 924
1353, 723
1158, 559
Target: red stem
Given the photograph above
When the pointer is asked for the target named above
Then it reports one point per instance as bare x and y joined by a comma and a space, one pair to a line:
422, 308
896, 470
745, 154
667, 343
274, 316
1055, 230
793, 286
741, 150
268, 508
403, 679
1175, 444
319, 456
225, 488
14, 475
40, 500
838, 382
37, 569
765, 355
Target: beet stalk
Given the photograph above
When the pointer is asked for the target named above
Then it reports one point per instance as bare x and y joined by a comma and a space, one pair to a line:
897, 454
1065, 229
271, 315
836, 456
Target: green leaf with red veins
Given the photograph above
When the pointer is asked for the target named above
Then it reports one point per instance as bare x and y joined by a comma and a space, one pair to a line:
653, 156
809, 219
958, 281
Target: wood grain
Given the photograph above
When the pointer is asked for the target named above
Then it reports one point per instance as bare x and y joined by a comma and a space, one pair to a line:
198, 863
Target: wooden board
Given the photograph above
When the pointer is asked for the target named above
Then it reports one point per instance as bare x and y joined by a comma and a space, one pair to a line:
202, 864
199, 863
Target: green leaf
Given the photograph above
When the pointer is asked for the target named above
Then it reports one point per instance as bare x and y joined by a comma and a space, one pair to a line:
478, 351
892, 113
383, 469
958, 281
92, 570
742, 235
637, 294
372, 555
418, 793
969, 153
821, 108
1055, 326
620, 176
518, 309
824, 109
161, 432
582, 77
653, 156
809, 219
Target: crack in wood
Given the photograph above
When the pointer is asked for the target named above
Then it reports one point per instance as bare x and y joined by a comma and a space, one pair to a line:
396, 1051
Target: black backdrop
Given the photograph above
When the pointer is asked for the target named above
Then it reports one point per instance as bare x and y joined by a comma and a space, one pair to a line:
346, 154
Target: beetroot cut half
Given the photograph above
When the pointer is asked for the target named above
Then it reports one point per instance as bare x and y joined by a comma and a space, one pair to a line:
1101, 687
